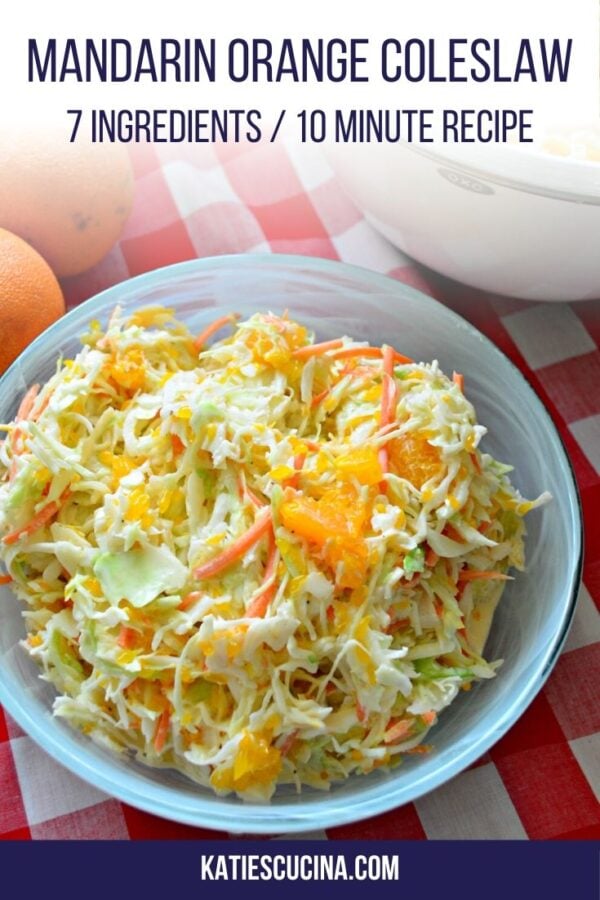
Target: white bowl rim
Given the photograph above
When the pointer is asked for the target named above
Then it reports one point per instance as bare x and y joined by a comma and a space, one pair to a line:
529, 170
207, 811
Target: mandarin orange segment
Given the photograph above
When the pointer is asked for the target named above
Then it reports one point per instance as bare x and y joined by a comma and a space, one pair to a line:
128, 370
266, 350
335, 522
275, 350
362, 463
354, 557
337, 513
257, 762
412, 457
311, 519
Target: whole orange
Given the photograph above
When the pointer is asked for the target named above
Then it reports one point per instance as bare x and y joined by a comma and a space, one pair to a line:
30, 296
69, 201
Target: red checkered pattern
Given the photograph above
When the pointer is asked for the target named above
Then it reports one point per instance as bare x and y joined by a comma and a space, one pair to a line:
542, 779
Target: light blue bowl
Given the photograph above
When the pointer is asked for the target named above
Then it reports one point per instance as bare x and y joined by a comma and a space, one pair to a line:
531, 622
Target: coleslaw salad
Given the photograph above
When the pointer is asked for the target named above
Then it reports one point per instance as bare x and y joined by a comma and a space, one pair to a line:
268, 560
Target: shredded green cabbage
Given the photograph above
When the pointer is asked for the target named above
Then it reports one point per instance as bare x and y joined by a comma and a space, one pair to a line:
258, 562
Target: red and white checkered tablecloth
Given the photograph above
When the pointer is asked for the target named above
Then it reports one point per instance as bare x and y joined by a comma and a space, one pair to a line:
540, 781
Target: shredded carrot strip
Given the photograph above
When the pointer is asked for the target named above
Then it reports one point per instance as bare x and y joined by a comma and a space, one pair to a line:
23, 413
27, 403
429, 717
459, 381
398, 730
237, 548
370, 353
5, 579
260, 603
38, 412
431, 558
453, 533
411, 581
247, 495
162, 730
288, 743
299, 460
189, 599
389, 393
127, 637
352, 352
473, 575
318, 398
316, 349
389, 399
361, 713
258, 608
45, 514
330, 613
400, 625
388, 353
177, 444
381, 432
476, 463
213, 328
254, 499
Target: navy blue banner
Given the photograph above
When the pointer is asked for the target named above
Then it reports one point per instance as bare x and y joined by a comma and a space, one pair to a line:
443, 870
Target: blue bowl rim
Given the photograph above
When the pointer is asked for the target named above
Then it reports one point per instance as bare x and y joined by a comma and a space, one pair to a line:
265, 819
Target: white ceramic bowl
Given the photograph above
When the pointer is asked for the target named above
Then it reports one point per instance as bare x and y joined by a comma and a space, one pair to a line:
534, 615
504, 219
